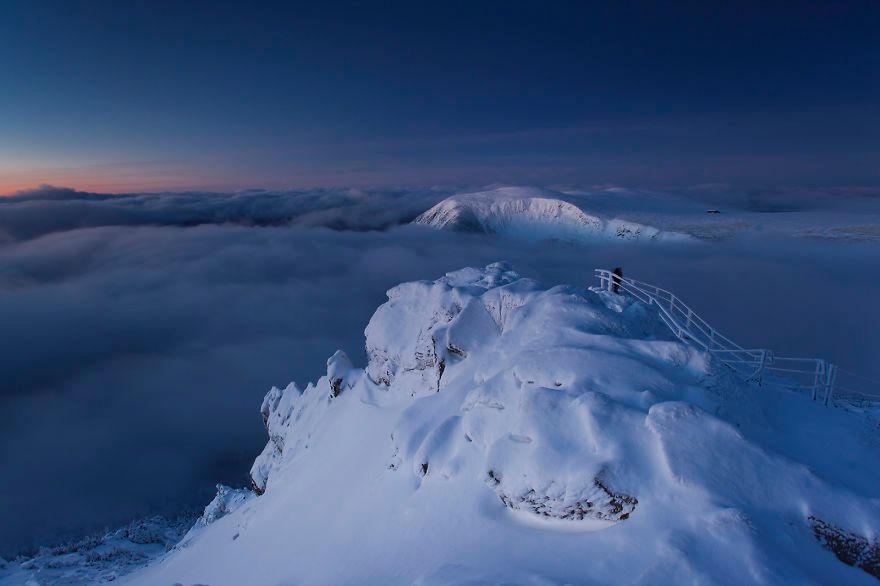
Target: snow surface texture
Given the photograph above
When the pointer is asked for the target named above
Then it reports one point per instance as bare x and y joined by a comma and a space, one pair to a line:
622, 214
504, 432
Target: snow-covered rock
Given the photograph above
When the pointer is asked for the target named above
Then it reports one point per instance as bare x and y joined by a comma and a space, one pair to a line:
339, 369
503, 431
535, 214
97, 559
226, 501
276, 410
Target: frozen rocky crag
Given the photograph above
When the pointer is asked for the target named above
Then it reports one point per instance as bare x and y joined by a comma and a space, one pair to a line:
226, 501
106, 557
535, 214
97, 559
506, 432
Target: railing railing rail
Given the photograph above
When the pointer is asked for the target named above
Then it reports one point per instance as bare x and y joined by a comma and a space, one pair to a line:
814, 375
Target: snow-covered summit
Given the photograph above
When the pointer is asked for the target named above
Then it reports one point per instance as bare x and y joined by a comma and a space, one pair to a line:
531, 213
507, 432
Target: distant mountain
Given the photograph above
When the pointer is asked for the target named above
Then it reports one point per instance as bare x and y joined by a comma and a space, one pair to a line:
530, 213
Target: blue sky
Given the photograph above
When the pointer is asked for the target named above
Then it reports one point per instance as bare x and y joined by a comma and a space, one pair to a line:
141, 96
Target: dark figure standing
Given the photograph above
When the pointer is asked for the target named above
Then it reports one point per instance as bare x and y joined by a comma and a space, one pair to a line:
615, 280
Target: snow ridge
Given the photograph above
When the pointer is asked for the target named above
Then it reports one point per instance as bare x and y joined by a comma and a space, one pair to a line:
504, 431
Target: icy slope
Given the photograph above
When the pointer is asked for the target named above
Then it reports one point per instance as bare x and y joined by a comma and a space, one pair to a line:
506, 432
533, 214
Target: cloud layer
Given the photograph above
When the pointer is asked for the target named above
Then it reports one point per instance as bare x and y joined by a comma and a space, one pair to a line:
141, 332
47, 209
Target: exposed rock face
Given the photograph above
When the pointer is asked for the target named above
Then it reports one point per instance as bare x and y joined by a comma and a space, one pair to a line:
851, 549
592, 502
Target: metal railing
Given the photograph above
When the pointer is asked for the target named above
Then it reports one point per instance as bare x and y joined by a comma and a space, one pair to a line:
813, 375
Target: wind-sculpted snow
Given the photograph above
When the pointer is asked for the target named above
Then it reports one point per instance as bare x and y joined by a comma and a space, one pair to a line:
533, 214
503, 431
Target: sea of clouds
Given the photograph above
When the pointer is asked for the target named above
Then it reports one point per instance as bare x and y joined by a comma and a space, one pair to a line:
140, 332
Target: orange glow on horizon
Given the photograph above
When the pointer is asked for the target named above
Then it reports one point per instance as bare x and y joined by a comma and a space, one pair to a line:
115, 178
96, 185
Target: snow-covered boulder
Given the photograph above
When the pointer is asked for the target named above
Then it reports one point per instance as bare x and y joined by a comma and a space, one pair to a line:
530, 213
339, 369
504, 431
227, 500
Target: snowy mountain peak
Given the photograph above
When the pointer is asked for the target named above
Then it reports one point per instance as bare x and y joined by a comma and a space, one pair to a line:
533, 214
504, 431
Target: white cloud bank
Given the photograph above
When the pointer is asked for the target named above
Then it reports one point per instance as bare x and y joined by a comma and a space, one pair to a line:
134, 357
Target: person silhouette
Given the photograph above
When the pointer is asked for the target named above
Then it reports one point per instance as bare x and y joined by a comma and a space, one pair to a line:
615, 279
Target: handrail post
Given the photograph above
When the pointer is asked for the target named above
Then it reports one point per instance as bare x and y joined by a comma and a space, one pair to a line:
829, 389
760, 373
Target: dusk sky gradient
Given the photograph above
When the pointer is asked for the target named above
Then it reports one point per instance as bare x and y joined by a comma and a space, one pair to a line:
152, 95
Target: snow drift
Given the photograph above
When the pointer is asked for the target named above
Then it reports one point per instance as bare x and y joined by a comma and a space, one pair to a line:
534, 214
503, 431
